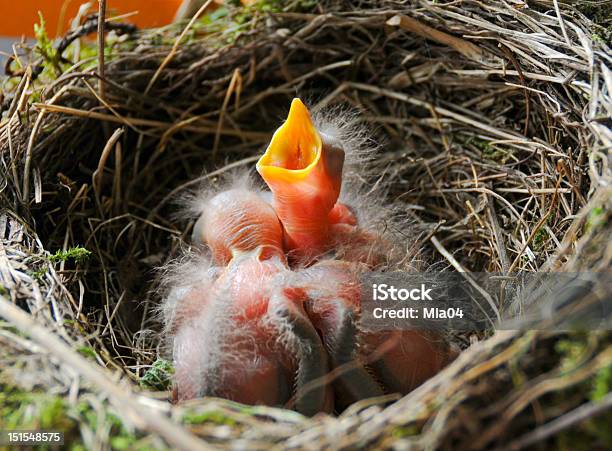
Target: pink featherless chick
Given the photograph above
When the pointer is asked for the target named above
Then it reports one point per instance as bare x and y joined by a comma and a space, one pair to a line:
236, 331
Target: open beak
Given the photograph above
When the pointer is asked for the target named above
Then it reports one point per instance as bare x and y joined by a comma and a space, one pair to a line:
304, 173
295, 149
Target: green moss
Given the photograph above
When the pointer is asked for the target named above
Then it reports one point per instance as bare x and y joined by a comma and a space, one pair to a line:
540, 238
25, 410
594, 432
44, 48
13, 330
518, 376
601, 384
38, 274
78, 254
213, 416
495, 154
597, 38
32, 410
233, 20
405, 431
601, 15
123, 439
269, 6
571, 351
88, 54
88, 352
488, 150
123, 442
47, 128
596, 218
159, 376
218, 21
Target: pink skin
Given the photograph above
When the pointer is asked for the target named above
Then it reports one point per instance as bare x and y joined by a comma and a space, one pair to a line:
241, 336
408, 357
245, 363
238, 220
398, 360
254, 350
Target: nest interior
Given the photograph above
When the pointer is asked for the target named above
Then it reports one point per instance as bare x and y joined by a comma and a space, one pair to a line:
494, 123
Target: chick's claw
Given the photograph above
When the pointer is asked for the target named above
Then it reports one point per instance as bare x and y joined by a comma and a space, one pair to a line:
301, 339
337, 324
333, 307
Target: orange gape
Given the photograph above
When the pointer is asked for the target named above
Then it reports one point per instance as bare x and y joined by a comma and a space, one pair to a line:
304, 172
305, 177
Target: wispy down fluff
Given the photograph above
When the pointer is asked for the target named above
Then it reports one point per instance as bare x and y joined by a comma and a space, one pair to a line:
365, 191
193, 204
344, 125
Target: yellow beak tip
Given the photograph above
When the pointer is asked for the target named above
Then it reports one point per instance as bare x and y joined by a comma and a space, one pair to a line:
295, 147
297, 103
298, 113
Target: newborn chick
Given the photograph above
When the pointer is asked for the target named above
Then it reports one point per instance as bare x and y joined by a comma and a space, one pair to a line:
303, 169
237, 332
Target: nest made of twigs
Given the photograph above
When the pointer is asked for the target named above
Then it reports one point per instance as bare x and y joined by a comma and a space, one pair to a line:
494, 118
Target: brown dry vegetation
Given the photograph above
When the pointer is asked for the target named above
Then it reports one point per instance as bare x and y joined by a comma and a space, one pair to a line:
494, 119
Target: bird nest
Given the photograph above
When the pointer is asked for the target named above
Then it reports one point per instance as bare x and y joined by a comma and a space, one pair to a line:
494, 125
